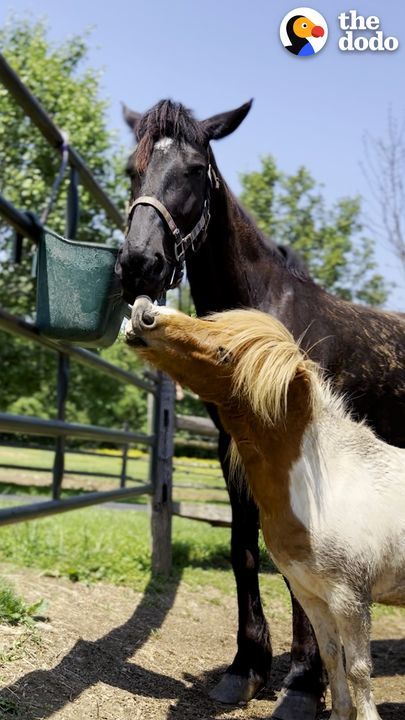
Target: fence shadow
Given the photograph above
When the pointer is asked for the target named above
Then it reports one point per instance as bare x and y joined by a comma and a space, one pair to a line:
39, 694
104, 660
388, 657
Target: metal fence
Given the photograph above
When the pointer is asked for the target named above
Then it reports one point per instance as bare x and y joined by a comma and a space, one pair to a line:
160, 388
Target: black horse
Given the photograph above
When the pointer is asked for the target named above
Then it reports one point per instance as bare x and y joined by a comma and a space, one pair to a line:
182, 210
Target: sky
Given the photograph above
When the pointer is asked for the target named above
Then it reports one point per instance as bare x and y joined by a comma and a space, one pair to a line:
215, 55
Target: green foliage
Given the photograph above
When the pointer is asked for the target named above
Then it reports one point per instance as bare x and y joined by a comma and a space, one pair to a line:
292, 211
98, 399
13, 609
29, 165
94, 398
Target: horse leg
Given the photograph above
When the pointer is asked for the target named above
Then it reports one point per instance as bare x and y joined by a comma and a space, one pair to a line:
355, 628
250, 669
304, 686
326, 629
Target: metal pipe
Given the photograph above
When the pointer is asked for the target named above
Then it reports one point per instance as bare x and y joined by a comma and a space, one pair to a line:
56, 428
62, 394
53, 507
19, 221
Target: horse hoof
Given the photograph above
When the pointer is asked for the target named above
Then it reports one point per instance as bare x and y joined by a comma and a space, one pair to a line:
293, 704
235, 689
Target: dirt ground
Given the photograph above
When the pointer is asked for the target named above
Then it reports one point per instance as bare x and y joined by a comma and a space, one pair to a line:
109, 653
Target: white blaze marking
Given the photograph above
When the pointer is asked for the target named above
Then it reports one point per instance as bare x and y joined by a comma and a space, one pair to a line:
164, 144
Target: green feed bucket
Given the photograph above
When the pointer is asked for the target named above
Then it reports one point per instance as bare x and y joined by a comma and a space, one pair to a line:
75, 301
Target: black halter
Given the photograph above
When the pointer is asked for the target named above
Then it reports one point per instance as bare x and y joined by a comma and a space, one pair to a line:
193, 239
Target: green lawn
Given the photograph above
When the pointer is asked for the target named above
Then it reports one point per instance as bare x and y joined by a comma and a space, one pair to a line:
187, 472
98, 544
75, 462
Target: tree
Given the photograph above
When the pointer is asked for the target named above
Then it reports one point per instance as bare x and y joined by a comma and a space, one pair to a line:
29, 165
292, 211
28, 168
384, 168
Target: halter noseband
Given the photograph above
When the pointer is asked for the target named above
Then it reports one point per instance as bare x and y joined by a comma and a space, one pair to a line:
181, 243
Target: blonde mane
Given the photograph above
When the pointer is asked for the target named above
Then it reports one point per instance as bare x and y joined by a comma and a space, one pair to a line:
266, 359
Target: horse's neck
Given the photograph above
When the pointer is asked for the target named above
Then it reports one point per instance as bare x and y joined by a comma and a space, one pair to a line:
287, 468
234, 267
269, 453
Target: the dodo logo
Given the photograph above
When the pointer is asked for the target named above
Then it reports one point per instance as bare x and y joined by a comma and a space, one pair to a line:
303, 31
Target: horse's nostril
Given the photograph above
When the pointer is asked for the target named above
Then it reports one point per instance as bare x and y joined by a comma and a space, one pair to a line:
148, 319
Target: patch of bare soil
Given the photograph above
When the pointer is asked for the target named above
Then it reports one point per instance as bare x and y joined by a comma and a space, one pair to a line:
109, 653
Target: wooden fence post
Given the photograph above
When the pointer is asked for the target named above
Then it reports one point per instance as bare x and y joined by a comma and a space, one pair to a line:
123, 476
161, 476
62, 393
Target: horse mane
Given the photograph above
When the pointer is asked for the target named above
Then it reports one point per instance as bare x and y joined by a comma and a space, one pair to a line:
166, 119
266, 360
284, 255
293, 262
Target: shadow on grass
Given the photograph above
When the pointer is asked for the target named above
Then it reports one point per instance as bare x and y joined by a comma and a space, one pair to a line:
105, 660
387, 710
216, 557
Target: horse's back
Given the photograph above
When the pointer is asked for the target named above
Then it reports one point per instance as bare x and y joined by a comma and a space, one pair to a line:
362, 351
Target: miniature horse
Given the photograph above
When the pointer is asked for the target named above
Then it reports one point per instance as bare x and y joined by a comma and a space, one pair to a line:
182, 210
331, 495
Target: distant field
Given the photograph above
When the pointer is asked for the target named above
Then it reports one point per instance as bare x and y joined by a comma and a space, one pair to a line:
204, 476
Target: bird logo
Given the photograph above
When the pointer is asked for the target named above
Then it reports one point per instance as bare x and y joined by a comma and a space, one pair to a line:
303, 32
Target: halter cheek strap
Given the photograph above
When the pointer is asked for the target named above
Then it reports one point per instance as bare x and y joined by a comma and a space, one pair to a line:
181, 243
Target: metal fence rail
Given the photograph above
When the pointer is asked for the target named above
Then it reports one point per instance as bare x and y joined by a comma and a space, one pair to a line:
11, 515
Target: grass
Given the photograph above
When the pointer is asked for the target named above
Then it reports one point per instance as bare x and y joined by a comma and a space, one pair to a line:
97, 544
13, 609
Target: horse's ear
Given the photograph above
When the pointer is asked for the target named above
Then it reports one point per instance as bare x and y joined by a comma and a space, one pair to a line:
219, 126
131, 117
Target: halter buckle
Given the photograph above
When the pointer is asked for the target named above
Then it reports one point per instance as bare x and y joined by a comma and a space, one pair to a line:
179, 249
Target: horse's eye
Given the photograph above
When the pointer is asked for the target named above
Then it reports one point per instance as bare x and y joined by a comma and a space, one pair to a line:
223, 355
195, 171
